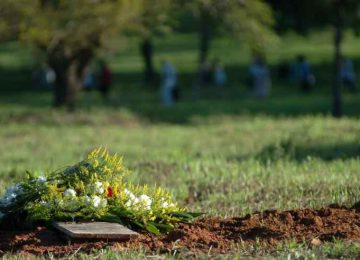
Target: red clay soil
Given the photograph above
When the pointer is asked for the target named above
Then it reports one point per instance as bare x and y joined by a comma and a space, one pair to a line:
215, 234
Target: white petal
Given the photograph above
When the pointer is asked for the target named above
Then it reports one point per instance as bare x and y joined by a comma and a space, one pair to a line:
41, 179
70, 193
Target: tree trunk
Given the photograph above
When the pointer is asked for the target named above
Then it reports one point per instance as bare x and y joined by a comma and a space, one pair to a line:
59, 64
147, 54
74, 85
205, 37
69, 74
337, 102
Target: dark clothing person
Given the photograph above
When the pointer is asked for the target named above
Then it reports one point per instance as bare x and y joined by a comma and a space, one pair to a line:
304, 75
260, 77
205, 73
105, 80
348, 75
147, 53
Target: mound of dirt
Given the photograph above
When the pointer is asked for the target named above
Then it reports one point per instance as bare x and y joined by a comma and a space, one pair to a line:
215, 234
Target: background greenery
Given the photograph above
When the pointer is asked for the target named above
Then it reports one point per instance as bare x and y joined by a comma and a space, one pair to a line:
218, 150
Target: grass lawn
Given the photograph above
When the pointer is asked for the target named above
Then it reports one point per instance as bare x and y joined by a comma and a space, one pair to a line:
221, 152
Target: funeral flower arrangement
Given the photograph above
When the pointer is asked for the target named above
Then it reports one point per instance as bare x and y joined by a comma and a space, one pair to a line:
93, 189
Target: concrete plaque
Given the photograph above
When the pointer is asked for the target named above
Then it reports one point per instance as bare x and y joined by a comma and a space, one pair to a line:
95, 230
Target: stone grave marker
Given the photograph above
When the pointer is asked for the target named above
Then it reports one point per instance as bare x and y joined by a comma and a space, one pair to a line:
95, 230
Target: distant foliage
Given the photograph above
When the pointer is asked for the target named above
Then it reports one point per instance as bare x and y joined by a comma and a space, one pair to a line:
74, 25
251, 21
155, 17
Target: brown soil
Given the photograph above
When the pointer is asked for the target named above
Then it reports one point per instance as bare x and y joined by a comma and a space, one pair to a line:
214, 234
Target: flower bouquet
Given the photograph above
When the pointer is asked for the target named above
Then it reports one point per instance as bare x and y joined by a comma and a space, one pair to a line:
93, 189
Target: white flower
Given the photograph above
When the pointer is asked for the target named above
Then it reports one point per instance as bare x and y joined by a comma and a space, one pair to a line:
146, 201
99, 187
45, 204
8, 198
41, 179
129, 194
96, 200
132, 201
145, 198
133, 197
99, 202
143, 201
165, 204
70, 193
87, 199
13, 191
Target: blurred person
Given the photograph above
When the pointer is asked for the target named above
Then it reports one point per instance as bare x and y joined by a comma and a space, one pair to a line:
219, 75
348, 76
44, 76
304, 75
105, 79
38, 78
168, 82
205, 73
146, 49
88, 82
259, 77
50, 76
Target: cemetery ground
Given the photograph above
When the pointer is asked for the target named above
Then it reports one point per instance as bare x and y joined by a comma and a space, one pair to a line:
226, 154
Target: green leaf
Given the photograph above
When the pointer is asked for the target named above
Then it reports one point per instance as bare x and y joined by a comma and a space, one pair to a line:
164, 228
183, 215
152, 229
29, 175
111, 218
186, 217
138, 224
195, 214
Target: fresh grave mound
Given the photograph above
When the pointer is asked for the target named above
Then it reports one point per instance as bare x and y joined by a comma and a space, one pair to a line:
207, 234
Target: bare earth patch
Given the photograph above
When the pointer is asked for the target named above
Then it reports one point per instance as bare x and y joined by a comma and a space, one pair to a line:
215, 234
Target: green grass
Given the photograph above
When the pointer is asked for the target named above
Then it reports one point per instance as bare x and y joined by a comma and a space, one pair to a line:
224, 153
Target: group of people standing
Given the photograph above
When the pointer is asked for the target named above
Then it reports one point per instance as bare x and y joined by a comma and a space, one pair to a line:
209, 75
300, 72
99, 78
259, 78
212, 74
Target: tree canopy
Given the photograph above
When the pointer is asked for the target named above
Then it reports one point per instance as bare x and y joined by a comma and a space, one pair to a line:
250, 21
69, 32
301, 16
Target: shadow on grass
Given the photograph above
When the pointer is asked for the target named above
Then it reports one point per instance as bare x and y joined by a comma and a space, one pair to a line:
300, 152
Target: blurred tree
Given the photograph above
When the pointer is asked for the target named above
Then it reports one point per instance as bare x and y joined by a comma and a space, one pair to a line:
155, 19
248, 20
301, 16
69, 31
